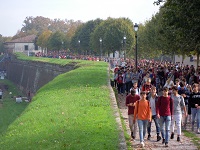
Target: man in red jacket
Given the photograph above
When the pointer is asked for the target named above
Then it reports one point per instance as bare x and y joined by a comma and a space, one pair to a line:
130, 103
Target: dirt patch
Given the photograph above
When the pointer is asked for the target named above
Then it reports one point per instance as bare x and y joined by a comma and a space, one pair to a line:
4, 87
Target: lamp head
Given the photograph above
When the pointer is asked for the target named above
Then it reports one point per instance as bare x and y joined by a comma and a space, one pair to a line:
136, 27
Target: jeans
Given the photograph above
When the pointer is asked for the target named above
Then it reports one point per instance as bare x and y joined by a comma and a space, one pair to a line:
185, 119
120, 88
142, 124
132, 126
176, 118
156, 121
165, 120
195, 112
128, 86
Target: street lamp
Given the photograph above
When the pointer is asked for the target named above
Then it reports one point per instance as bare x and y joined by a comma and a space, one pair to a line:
79, 46
136, 27
125, 48
62, 45
100, 40
121, 49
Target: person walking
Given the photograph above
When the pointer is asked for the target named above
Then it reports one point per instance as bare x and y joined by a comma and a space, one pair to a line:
147, 86
128, 81
194, 103
164, 111
179, 104
131, 99
136, 88
153, 98
183, 91
120, 84
142, 113
1, 94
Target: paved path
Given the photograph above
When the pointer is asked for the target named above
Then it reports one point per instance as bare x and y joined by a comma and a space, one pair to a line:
185, 143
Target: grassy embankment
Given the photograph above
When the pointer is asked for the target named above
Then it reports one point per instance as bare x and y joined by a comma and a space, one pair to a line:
73, 111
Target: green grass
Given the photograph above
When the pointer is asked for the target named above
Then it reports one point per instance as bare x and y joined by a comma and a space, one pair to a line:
71, 112
193, 137
9, 110
126, 135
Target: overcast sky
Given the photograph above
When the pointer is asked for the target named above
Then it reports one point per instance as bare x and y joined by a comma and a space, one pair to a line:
14, 12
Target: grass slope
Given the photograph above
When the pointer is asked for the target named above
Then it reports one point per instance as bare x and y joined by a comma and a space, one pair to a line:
71, 112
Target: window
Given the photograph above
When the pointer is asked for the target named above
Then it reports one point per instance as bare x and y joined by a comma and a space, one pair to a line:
25, 47
36, 47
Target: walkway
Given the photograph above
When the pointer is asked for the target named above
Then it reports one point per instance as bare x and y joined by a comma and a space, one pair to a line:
185, 143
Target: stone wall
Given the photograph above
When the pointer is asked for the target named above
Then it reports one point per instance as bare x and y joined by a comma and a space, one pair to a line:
31, 75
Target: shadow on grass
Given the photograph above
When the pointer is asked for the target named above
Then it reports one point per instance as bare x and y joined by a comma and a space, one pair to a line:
77, 78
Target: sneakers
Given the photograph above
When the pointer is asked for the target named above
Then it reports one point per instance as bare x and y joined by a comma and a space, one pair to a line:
192, 127
149, 137
166, 144
178, 139
163, 141
172, 136
158, 138
142, 144
198, 131
132, 135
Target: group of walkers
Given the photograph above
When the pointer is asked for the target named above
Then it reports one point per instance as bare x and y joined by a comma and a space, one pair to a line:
165, 93
64, 54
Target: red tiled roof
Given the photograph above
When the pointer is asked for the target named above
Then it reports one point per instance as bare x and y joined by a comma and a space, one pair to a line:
26, 39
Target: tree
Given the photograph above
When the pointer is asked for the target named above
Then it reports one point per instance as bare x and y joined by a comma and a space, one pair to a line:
83, 34
112, 32
43, 39
2, 40
56, 40
182, 16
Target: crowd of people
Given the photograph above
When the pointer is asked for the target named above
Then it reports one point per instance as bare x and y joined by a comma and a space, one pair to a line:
64, 54
167, 94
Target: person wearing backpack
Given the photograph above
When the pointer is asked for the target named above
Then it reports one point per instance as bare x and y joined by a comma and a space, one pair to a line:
131, 99
147, 86
142, 113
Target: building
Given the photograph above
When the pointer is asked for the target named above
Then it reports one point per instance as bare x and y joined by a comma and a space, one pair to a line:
192, 60
24, 44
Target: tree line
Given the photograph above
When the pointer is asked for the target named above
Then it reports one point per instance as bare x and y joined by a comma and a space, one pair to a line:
173, 30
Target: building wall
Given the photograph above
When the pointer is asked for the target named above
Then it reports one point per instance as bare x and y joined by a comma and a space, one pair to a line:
31, 76
187, 60
20, 47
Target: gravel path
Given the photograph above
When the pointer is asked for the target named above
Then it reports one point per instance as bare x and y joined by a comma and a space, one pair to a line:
185, 143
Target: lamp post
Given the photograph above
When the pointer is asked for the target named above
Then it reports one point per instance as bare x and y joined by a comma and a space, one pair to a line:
62, 45
121, 49
136, 27
125, 48
79, 45
100, 40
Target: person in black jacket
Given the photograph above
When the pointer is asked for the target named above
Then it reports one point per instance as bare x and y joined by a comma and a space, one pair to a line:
194, 102
183, 91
